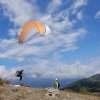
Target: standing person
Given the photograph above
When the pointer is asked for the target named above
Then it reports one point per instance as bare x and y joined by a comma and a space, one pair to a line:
56, 83
19, 74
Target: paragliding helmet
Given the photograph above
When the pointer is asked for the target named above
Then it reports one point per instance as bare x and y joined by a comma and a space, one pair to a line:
56, 79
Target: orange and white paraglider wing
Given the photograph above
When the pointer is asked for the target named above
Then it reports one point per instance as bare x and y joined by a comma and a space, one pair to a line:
29, 30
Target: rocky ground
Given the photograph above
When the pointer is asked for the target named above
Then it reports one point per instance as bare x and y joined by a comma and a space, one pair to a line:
24, 93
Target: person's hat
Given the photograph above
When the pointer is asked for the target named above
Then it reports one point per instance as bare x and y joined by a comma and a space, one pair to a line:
56, 79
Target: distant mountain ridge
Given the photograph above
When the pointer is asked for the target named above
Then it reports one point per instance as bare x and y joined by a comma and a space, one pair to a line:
95, 77
42, 82
92, 84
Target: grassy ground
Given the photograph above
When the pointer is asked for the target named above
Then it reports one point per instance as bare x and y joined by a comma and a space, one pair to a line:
22, 93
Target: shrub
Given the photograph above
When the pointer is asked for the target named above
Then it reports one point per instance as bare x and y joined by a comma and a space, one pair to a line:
69, 90
4, 81
83, 90
1, 81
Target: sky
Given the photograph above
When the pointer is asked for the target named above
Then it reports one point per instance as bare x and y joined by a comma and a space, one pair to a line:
71, 50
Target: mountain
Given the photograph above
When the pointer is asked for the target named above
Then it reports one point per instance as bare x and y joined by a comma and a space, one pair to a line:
91, 84
42, 82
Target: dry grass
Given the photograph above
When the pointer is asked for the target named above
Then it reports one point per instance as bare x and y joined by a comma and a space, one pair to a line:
21, 93
4, 81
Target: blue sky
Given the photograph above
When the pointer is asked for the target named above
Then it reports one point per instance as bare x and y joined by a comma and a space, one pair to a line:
71, 50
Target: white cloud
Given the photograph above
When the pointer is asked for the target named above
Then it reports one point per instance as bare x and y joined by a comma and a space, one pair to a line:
19, 11
20, 59
53, 6
79, 3
56, 69
62, 37
79, 15
5, 44
97, 14
11, 32
11, 49
75, 7
4, 73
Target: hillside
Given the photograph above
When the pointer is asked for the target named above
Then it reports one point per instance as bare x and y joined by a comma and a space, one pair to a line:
22, 93
92, 84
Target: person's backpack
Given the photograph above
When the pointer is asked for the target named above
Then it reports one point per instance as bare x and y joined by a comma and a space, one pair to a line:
58, 84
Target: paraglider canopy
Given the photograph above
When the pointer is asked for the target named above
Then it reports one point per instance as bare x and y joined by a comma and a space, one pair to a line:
32, 28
